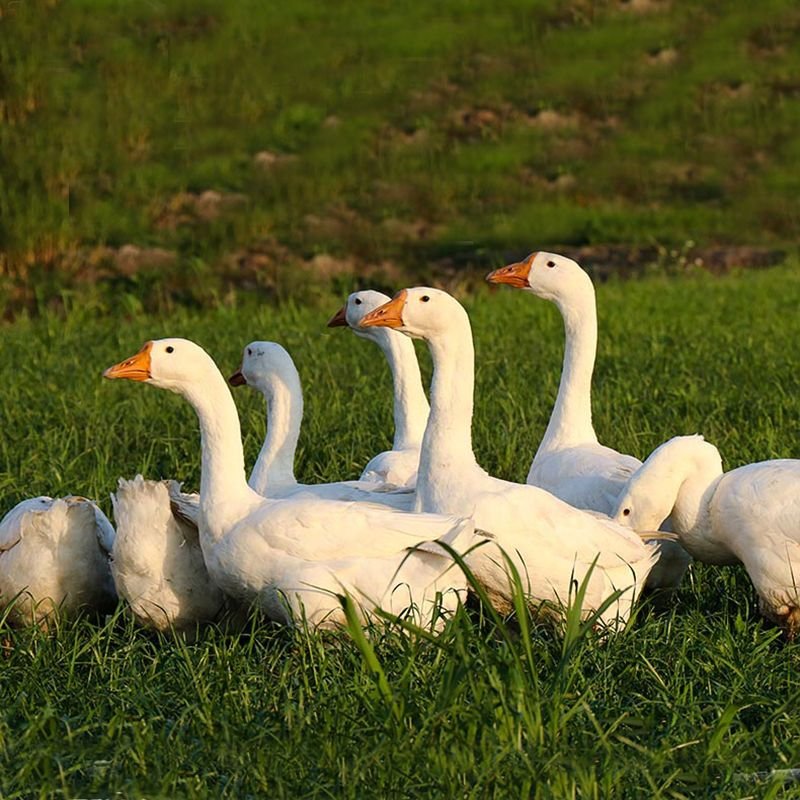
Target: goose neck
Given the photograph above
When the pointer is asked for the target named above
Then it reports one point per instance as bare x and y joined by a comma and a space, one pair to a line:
691, 516
410, 404
274, 467
571, 420
447, 444
224, 494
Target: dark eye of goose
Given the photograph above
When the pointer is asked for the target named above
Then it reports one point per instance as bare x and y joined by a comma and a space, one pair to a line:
551, 263
358, 301
170, 349
626, 512
249, 351
425, 298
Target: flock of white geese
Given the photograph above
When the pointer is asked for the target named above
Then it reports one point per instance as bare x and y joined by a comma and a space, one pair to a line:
398, 539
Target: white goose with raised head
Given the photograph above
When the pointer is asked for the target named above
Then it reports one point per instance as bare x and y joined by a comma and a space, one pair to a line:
54, 559
570, 461
551, 543
267, 367
292, 557
399, 465
750, 515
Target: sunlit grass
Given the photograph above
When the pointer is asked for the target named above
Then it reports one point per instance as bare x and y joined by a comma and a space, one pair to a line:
691, 695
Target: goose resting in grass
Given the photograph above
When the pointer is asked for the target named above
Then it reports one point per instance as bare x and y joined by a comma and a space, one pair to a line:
750, 515
267, 367
292, 557
54, 558
157, 563
552, 544
570, 462
397, 466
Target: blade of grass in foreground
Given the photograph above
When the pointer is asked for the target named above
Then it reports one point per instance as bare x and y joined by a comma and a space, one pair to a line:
356, 630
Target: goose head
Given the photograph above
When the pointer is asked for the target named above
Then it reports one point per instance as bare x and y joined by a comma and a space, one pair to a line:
173, 364
262, 362
358, 305
652, 491
547, 275
421, 312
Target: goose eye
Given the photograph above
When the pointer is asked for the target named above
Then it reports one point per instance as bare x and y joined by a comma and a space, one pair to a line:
424, 298
551, 263
170, 349
626, 512
249, 351
358, 301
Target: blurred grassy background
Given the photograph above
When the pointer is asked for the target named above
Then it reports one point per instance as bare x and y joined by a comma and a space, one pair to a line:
183, 151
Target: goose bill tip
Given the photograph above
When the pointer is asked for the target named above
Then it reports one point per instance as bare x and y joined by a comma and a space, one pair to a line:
515, 275
339, 319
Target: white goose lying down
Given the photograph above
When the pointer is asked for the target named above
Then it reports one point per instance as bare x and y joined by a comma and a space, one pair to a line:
157, 563
267, 367
292, 556
750, 515
54, 556
570, 462
399, 465
549, 541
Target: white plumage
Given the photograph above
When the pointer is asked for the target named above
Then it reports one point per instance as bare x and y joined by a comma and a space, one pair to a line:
750, 515
293, 556
267, 367
54, 556
399, 465
157, 562
570, 462
552, 544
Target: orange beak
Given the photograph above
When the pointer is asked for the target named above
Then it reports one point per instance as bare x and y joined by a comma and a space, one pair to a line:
515, 275
237, 379
136, 368
339, 319
389, 315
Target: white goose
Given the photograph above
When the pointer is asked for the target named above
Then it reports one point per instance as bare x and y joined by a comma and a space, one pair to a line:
570, 462
267, 367
54, 558
399, 465
157, 563
750, 515
550, 542
293, 556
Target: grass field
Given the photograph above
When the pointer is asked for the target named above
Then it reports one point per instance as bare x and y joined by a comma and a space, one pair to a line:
183, 150
172, 167
687, 698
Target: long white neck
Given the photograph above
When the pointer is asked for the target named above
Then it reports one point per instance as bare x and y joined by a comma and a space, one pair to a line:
571, 421
447, 444
691, 515
274, 467
410, 404
224, 494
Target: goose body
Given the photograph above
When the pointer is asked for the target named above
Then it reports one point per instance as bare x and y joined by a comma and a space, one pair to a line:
267, 367
398, 466
551, 543
750, 515
293, 556
570, 462
54, 557
157, 562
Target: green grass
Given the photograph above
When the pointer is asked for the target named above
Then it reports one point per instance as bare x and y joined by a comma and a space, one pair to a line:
689, 696
412, 126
